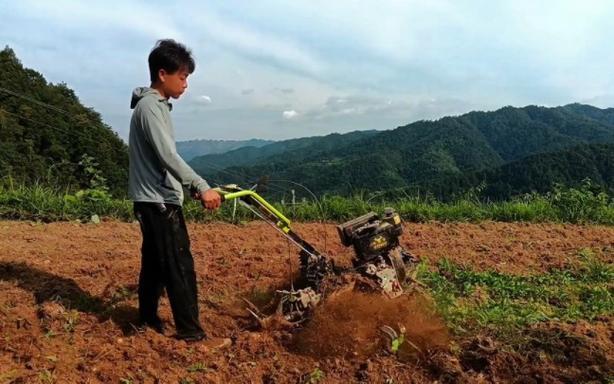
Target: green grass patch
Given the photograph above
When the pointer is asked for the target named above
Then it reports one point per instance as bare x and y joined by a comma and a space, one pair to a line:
471, 300
573, 205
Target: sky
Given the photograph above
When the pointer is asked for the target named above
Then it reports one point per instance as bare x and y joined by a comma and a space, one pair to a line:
283, 69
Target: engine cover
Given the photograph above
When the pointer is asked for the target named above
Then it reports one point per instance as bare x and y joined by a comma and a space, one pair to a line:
371, 236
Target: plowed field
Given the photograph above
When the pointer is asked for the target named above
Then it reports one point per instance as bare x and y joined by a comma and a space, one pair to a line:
68, 304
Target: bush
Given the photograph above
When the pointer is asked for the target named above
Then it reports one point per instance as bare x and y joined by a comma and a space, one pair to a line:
585, 203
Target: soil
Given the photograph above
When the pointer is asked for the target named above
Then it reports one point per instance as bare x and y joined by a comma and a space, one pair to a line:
68, 308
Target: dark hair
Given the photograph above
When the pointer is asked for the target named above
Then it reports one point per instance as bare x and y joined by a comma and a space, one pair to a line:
171, 56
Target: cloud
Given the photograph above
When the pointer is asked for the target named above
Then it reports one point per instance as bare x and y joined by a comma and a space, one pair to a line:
358, 105
204, 99
327, 66
340, 110
605, 100
289, 115
84, 17
254, 42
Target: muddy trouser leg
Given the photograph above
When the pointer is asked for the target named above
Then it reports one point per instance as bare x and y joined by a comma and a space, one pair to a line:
173, 260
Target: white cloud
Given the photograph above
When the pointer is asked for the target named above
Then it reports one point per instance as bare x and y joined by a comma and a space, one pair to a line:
289, 115
204, 99
359, 104
602, 101
371, 107
255, 42
88, 16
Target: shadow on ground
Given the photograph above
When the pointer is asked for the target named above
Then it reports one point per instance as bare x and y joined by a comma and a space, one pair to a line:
46, 287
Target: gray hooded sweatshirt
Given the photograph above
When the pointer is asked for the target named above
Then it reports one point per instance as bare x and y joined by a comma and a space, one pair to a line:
156, 172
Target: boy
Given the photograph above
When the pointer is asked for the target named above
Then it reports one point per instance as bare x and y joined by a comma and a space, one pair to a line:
156, 176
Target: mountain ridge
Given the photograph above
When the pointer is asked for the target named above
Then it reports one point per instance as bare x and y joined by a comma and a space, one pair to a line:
189, 149
426, 149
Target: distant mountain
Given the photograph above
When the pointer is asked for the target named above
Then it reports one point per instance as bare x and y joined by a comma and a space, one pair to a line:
280, 151
194, 148
422, 151
45, 132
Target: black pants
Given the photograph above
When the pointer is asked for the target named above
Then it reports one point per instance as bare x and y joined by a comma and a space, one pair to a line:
166, 262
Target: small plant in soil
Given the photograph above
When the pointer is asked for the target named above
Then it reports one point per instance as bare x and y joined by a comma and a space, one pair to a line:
197, 367
46, 376
314, 377
71, 319
121, 294
49, 334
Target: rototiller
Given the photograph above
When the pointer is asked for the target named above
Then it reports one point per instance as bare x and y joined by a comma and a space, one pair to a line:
380, 262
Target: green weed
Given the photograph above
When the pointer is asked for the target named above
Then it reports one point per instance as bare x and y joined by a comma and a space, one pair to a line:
46, 376
314, 376
469, 299
197, 367
121, 294
71, 319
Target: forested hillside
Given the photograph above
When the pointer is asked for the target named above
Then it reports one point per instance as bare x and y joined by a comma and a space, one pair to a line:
536, 173
422, 154
48, 136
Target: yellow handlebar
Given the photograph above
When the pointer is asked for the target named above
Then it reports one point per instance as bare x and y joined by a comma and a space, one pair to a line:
226, 195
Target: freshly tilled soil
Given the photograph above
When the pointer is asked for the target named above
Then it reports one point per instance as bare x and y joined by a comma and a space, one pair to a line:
68, 309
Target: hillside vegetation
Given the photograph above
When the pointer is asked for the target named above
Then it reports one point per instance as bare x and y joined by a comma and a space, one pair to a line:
48, 136
501, 153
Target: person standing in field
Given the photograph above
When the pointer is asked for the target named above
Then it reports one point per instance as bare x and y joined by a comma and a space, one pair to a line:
157, 175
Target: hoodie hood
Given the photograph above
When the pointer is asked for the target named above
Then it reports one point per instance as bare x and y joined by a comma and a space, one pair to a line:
141, 92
